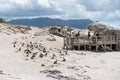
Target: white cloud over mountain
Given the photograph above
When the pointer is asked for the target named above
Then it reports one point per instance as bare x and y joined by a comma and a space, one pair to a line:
103, 10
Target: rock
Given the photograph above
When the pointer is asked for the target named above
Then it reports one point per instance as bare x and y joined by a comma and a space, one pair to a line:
1, 72
51, 39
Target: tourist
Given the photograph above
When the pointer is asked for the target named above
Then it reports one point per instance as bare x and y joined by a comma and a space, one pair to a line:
89, 35
97, 35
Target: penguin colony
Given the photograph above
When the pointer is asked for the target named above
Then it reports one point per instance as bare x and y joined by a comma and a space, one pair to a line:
34, 50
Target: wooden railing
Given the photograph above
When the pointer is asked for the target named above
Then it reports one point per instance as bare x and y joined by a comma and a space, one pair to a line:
95, 40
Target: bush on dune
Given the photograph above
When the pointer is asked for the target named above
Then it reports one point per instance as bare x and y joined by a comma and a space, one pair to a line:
2, 20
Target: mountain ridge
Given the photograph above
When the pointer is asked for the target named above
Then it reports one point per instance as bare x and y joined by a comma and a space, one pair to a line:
45, 21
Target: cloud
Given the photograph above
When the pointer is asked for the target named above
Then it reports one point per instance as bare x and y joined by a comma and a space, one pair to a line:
23, 3
26, 8
103, 10
44, 3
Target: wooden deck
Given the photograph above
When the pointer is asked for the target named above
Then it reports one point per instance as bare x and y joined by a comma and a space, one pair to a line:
104, 42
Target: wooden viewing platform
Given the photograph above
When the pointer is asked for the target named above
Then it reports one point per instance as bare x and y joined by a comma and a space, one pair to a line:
96, 43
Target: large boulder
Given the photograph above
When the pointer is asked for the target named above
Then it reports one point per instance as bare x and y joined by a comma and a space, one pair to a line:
100, 26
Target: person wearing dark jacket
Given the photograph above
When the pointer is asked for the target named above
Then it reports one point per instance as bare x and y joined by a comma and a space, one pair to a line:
89, 35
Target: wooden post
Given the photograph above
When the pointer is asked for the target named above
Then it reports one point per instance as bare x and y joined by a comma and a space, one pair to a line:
71, 42
117, 42
96, 43
84, 44
104, 43
67, 42
111, 42
64, 42
90, 44
79, 44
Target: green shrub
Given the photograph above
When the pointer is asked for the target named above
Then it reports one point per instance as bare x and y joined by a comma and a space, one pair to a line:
2, 20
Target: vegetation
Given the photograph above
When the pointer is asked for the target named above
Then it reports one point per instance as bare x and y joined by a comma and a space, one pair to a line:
56, 25
53, 28
21, 27
60, 35
2, 20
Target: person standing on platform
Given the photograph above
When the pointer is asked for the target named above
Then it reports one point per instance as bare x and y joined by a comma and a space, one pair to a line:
89, 35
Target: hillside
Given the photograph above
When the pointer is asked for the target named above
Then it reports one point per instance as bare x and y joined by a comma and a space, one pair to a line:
81, 23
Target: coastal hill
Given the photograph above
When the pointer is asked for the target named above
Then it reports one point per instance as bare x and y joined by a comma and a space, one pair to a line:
77, 23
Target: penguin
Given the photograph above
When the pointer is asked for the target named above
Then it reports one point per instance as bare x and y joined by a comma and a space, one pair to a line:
22, 44
30, 42
19, 49
41, 55
39, 49
46, 54
42, 65
28, 45
66, 52
64, 60
36, 46
34, 54
44, 50
27, 55
32, 48
55, 62
53, 56
60, 51
14, 45
15, 42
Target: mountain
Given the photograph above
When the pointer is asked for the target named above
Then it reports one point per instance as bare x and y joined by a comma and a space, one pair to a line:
80, 23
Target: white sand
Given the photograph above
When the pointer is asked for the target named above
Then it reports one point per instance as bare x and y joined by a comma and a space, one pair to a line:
79, 65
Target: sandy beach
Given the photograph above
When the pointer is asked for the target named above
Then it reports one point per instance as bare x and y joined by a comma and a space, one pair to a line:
29, 57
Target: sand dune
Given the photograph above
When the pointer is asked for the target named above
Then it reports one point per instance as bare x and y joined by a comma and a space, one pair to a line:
24, 56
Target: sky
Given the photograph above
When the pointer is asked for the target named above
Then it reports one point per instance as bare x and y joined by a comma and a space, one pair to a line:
96, 10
